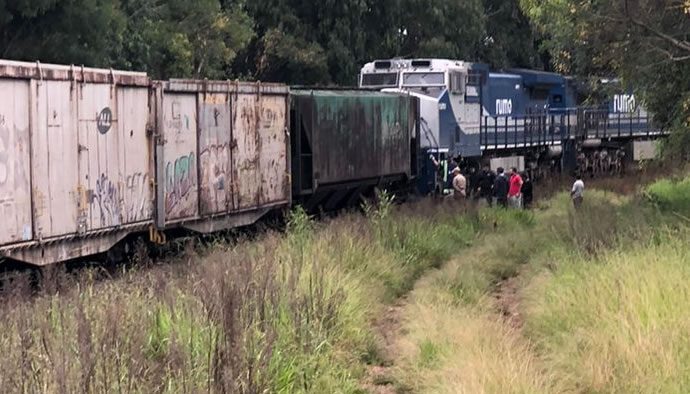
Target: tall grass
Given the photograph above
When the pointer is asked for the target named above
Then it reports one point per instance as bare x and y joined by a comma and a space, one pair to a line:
618, 323
289, 313
454, 341
671, 195
598, 302
612, 317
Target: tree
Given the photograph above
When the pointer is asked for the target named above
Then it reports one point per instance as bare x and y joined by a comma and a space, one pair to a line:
510, 40
177, 38
328, 41
68, 31
646, 42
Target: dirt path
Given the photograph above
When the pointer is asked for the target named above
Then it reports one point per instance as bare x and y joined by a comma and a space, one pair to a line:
379, 377
507, 298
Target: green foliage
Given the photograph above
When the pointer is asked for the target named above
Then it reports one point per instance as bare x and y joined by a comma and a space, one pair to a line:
670, 195
615, 324
291, 41
72, 31
429, 353
645, 42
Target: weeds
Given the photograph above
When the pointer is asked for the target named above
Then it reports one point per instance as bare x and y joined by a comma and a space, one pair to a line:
600, 310
292, 313
286, 314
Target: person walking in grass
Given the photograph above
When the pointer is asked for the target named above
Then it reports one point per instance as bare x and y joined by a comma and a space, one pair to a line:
577, 192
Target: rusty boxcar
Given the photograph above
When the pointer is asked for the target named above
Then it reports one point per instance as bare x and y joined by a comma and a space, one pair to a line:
90, 156
75, 160
345, 143
222, 156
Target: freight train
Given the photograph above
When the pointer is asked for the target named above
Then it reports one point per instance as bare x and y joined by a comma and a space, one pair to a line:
92, 158
533, 120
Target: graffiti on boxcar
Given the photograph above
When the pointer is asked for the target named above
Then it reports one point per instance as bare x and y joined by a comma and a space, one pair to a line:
10, 159
179, 122
180, 177
136, 197
107, 197
269, 118
214, 161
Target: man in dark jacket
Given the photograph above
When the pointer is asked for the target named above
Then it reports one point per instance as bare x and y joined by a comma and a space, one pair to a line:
527, 191
501, 188
486, 185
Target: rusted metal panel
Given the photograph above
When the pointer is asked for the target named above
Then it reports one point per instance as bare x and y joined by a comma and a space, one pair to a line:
100, 203
15, 189
355, 135
215, 139
273, 155
90, 157
54, 72
246, 150
113, 156
180, 156
136, 156
54, 158
238, 158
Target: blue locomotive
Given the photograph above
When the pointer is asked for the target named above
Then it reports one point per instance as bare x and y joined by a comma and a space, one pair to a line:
530, 119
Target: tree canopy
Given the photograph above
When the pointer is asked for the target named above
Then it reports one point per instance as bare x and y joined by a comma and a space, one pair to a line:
291, 41
645, 42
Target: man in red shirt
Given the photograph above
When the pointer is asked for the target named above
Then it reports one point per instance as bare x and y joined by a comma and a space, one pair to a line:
515, 189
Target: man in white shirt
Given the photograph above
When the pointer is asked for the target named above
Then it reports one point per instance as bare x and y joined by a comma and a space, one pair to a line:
577, 192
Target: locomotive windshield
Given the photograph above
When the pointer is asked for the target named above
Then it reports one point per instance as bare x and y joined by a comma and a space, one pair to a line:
380, 79
423, 79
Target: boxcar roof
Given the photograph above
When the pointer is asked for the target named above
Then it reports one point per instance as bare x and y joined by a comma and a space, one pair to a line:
55, 72
342, 93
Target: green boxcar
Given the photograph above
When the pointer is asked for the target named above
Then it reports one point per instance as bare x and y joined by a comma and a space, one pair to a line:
348, 139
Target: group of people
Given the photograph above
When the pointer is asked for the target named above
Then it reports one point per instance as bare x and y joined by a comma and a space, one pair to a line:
513, 189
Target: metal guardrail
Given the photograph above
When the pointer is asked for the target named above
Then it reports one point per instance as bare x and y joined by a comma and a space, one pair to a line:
553, 127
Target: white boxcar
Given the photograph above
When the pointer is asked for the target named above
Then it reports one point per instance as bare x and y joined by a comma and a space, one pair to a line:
222, 156
89, 156
76, 164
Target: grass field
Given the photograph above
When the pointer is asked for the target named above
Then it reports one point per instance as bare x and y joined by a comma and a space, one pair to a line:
287, 313
587, 302
488, 301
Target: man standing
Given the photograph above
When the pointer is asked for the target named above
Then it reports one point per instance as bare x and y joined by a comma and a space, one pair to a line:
577, 192
459, 184
486, 183
527, 191
515, 189
501, 188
